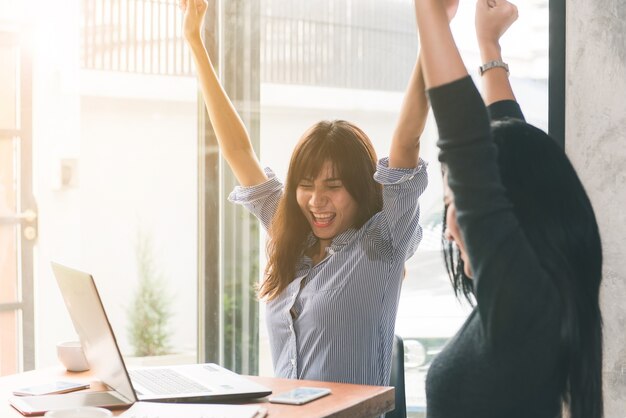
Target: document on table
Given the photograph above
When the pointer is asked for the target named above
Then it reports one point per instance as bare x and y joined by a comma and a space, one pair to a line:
178, 410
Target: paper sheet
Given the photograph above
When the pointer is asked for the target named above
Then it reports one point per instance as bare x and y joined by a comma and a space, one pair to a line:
178, 410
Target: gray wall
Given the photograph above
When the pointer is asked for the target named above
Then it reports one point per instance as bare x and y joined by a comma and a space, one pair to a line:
596, 143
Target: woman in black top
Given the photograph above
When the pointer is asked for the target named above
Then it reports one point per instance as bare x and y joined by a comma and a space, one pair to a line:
527, 243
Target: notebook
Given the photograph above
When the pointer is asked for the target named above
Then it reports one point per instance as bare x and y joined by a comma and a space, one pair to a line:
193, 383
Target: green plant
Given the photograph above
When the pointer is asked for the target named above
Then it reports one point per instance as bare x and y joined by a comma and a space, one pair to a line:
149, 312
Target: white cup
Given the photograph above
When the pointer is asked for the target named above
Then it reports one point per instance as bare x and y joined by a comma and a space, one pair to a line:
80, 412
70, 354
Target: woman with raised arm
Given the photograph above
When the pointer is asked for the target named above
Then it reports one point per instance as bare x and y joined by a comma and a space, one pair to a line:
340, 230
525, 243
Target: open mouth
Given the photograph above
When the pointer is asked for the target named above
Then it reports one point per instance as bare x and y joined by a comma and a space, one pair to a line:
322, 220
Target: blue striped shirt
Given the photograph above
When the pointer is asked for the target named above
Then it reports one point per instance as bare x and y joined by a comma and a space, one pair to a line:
346, 304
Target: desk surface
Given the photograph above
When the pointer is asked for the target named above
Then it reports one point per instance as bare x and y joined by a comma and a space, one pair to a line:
345, 401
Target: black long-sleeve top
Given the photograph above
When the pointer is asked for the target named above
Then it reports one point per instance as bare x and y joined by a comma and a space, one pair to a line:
504, 361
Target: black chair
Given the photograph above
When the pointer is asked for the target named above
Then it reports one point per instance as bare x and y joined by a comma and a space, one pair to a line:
397, 379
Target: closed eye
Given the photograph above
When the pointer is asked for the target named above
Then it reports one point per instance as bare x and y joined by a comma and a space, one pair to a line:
334, 184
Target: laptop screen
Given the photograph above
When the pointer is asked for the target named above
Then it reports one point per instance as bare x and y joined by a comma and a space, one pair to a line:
93, 327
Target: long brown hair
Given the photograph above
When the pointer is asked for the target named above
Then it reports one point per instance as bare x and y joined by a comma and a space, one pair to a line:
354, 160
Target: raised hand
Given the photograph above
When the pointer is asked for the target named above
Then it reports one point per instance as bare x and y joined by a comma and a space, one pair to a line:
493, 18
232, 137
194, 11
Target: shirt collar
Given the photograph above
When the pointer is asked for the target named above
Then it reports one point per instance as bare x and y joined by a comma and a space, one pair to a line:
337, 243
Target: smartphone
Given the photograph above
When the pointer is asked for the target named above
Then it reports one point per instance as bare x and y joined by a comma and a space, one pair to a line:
299, 396
50, 388
39, 405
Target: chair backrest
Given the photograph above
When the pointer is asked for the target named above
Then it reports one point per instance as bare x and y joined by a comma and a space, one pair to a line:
397, 379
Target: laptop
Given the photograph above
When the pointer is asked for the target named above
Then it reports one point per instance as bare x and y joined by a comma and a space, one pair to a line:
195, 383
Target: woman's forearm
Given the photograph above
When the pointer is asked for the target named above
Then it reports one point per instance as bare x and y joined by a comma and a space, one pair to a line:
495, 81
441, 60
232, 136
405, 144
492, 21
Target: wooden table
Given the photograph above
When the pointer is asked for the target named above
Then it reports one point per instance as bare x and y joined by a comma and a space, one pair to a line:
345, 401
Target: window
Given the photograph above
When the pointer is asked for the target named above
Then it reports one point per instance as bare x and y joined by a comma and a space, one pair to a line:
114, 176
18, 218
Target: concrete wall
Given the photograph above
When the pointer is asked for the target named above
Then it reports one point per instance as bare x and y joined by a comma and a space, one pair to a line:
595, 139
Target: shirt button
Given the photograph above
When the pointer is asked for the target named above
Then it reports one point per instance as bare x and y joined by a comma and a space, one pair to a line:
293, 362
290, 327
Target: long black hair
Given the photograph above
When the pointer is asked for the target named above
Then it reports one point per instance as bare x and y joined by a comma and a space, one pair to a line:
556, 215
462, 285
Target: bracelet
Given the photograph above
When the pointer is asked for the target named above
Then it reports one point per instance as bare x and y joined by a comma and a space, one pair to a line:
493, 64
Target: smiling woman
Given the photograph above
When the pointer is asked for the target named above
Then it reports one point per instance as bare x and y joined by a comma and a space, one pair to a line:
327, 205
340, 230
331, 173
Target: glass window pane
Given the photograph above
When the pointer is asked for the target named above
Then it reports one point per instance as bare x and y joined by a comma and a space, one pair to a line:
8, 180
137, 201
115, 172
8, 86
8, 230
9, 10
9, 355
8, 264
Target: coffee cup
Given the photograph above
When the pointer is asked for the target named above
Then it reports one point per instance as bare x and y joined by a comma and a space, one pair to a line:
80, 412
71, 355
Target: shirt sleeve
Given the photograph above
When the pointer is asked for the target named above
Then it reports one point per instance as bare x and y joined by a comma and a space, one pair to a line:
513, 290
399, 218
261, 199
505, 109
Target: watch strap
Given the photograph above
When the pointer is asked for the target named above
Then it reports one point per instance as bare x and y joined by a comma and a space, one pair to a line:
493, 64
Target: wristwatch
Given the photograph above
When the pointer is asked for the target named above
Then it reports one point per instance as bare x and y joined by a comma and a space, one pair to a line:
493, 64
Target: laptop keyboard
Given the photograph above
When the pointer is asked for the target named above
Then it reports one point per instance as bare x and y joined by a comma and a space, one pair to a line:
165, 382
